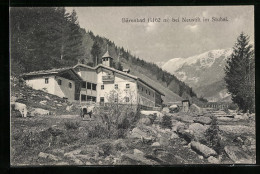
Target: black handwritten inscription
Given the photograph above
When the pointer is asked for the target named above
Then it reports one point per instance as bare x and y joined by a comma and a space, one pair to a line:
219, 19
175, 19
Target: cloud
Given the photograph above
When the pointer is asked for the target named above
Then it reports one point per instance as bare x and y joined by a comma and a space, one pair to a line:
150, 26
205, 14
192, 28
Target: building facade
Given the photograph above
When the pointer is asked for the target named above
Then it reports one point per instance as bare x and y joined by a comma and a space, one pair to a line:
104, 84
65, 82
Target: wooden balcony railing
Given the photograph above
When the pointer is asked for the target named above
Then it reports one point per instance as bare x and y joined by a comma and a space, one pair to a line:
108, 78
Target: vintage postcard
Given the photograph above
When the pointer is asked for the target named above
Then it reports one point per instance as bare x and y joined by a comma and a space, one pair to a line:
151, 85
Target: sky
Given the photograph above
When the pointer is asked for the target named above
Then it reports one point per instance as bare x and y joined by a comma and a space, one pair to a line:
162, 41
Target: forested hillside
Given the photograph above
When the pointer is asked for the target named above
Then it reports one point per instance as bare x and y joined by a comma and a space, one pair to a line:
48, 37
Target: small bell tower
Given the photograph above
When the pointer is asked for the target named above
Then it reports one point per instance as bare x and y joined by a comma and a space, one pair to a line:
107, 59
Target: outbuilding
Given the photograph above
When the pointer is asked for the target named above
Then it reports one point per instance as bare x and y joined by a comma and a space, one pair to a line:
63, 82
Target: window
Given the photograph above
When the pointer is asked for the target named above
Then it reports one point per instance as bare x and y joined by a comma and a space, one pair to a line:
70, 85
127, 99
83, 85
46, 80
116, 100
127, 85
83, 97
59, 81
94, 99
116, 86
102, 100
102, 87
94, 86
138, 86
88, 85
89, 98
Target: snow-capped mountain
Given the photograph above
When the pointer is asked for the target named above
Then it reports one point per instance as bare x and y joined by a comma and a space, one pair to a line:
203, 72
160, 64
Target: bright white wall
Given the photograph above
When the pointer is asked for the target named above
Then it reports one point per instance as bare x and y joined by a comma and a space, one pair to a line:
109, 88
39, 84
52, 87
63, 90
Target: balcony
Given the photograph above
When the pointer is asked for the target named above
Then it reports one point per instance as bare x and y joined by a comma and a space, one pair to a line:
108, 78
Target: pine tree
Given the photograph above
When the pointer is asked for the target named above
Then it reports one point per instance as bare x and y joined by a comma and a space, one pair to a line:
74, 48
95, 52
240, 73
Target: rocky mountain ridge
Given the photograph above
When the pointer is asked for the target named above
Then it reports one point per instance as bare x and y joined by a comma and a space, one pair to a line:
201, 72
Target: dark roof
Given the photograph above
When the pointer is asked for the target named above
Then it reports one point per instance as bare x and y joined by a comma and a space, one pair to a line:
122, 73
150, 85
51, 72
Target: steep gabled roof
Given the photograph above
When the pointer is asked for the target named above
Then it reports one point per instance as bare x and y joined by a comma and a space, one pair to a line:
107, 55
52, 72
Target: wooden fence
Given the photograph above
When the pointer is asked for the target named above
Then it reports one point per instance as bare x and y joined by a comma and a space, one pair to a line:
215, 105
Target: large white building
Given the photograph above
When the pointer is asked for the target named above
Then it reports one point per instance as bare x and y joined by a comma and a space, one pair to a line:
104, 84
101, 84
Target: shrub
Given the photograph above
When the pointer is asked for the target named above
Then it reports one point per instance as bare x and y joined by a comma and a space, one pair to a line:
113, 121
212, 136
233, 106
152, 117
71, 125
69, 137
125, 124
166, 122
33, 140
97, 131
136, 116
121, 133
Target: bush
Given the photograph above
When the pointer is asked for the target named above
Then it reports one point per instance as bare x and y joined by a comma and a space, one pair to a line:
69, 137
233, 106
97, 131
34, 140
166, 122
212, 136
136, 116
152, 117
113, 121
121, 133
124, 125
72, 125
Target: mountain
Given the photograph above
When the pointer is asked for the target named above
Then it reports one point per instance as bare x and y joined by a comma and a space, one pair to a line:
160, 64
203, 72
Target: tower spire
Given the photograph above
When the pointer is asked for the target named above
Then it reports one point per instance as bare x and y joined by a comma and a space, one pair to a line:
106, 58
